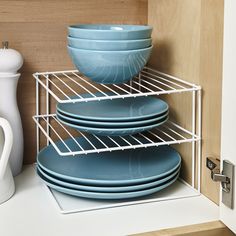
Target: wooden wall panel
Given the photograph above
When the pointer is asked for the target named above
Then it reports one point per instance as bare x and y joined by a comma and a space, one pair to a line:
211, 80
66, 12
38, 29
176, 38
188, 41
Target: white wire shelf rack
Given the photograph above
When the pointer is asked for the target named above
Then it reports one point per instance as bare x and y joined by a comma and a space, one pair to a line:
60, 84
69, 86
166, 134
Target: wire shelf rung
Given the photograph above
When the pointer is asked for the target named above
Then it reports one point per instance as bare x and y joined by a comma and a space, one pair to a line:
151, 81
163, 135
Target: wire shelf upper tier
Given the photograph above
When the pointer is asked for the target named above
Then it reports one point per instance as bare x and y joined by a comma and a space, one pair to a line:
166, 134
68, 86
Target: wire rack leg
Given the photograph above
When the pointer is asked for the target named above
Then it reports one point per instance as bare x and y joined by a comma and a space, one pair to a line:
200, 135
193, 131
37, 113
47, 107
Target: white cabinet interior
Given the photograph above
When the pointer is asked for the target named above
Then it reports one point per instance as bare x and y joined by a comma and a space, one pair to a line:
188, 43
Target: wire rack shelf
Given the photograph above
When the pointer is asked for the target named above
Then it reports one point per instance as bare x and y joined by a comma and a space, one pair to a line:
166, 134
69, 86
149, 82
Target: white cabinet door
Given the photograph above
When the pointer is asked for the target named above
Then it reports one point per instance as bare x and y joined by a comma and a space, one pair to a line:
228, 133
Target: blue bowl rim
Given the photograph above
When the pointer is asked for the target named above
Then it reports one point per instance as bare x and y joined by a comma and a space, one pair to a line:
142, 27
115, 51
109, 40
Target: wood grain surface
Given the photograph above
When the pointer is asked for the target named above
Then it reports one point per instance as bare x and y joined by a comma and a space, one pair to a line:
38, 29
215, 228
188, 41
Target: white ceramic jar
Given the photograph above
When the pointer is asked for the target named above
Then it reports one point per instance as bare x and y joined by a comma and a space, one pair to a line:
10, 62
7, 185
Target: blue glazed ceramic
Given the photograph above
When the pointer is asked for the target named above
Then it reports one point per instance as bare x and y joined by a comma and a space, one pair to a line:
109, 124
101, 195
117, 168
110, 67
116, 110
110, 32
109, 45
108, 189
112, 131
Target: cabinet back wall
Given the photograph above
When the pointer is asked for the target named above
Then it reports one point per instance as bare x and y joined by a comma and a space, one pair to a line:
38, 30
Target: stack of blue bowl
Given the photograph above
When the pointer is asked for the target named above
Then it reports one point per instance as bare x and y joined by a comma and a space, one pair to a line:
110, 54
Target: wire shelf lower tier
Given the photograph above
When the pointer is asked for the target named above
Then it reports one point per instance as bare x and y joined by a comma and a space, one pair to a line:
166, 134
68, 86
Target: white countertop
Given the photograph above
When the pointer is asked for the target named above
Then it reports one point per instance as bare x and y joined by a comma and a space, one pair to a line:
32, 212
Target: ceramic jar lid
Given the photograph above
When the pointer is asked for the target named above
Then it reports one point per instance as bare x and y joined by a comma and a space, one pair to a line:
10, 60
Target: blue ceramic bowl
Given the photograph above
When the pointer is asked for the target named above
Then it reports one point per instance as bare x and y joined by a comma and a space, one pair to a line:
110, 32
109, 45
110, 67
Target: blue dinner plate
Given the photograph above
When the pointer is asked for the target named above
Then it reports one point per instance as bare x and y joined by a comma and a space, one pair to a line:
108, 188
117, 168
128, 109
100, 195
110, 124
112, 131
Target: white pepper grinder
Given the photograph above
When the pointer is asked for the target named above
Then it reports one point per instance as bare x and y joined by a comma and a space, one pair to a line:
10, 62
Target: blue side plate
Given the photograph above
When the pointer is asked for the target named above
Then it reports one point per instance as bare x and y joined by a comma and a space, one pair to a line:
110, 124
128, 109
112, 131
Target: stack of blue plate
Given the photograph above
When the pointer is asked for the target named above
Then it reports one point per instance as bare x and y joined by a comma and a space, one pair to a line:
109, 175
117, 117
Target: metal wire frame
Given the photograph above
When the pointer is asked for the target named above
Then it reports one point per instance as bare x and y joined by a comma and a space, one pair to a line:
169, 133
148, 82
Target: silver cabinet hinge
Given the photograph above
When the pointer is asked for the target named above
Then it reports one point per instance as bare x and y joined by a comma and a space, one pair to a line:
225, 178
